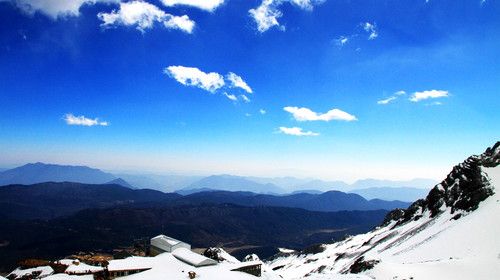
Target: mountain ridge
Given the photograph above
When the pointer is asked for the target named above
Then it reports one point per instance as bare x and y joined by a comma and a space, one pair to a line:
450, 234
33, 173
56, 199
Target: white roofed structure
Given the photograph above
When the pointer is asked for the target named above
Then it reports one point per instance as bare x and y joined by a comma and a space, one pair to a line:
62, 276
162, 243
192, 258
128, 266
79, 268
40, 272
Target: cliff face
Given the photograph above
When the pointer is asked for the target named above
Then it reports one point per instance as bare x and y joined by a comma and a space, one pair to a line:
463, 189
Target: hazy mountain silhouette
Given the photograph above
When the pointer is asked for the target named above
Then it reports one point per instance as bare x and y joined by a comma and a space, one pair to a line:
234, 183
33, 173
121, 182
387, 193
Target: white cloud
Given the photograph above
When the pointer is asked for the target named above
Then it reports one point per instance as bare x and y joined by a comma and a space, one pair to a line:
305, 114
237, 81
391, 98
55, 8
435, 103
341, 41
191, 76
423, 95
207, 5
296, 131
82, 120
262, 111
183, 23
387, 100
267, 13
371, 28
212, 82
144, 15
245, 98
230, 96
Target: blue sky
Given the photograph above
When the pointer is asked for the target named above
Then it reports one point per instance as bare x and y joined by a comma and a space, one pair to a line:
339, 89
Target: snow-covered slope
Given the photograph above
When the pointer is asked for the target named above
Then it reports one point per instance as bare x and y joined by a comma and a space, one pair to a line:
452, 234
166, 265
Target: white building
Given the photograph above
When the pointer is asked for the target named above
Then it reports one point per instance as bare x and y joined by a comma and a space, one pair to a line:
129, 266
192, 258
162, 243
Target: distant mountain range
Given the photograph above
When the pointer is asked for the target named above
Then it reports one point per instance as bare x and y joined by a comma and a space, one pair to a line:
386, 193
33, 173
52, 200
414, 183
121, 182
407, 191
164, 183
235, 183
369, 188
324, 202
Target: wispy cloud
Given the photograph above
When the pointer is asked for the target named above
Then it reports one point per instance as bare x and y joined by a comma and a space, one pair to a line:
387, 100
267, 13
207, 5
71, 119
306, 114
237, 81
296, 131
192, 76
341, 41
55, 8
417, 96
231, 97
371, 29
212, 82
428, 94
143, 16
245, 98
262, 111
435, 103
392, 98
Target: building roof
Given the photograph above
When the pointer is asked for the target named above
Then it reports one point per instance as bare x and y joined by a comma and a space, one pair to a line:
165, 242
82, 268
44, 271
132, 263
62, 276
245, 264
192, 258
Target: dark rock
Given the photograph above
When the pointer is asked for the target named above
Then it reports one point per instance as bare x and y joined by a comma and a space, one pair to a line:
314, 249
361, 265
394, 215
213, 253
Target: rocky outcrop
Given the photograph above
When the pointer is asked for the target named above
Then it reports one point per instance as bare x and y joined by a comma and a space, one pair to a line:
251, 258
361, 265
462, 190
214, 254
